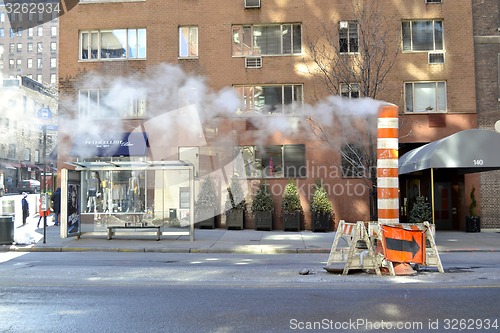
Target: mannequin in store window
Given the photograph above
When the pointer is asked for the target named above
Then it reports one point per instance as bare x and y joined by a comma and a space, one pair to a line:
107, 201
133, 192
92, 192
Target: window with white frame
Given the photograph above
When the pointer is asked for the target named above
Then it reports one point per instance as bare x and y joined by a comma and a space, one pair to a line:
188, 42
348, 37
270, 99
19, 63
2, 32
30, 47
29, 63
39, 62
39, 47
39, 78
19, 47
273, 39
53, 46
102, 104
53, 62
279, 161
349, 90
113, 44
53, 31
30, 32
423, 35
27, 154
40, 31
425, 96
53, 78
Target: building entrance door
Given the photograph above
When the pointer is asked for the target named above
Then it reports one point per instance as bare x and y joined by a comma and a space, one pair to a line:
443, 206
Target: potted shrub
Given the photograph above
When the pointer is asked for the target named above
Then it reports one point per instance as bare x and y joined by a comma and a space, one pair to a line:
263, 207
235, 205
321, 209
291, 208
206, 204
421, 211
472, 222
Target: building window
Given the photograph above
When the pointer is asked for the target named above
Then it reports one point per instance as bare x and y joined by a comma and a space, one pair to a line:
270, 99
2, 17
19, 32
11, 63
425, 96
113, 44
27, 154
349, 90
276, 39
353, 161
19, 47
30, 32
188, 42
11, 33
100, 104
2, 32
287, 161
423, 35
39, 62
30, 47
39, 31
29, 63
53, 31
53, 78
348, 37
12, 47
39, 78
11, 154
53, 62
19, 63
39, 47
53, 46
36, 156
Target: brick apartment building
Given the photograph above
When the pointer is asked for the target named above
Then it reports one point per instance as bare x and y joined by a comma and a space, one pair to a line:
487, 54
28, 44
248, 68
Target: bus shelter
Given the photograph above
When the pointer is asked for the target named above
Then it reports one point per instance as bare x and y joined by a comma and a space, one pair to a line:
128, 197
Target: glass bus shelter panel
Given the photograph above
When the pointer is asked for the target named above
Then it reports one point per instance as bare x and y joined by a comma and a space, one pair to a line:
166, 197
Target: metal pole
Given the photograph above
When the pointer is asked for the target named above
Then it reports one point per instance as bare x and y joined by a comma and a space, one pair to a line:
432, 193
44, 178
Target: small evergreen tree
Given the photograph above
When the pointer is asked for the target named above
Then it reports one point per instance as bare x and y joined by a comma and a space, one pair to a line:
421, 211
207, 198
473, 202
263, 200
235, 195
291, 199
320, 204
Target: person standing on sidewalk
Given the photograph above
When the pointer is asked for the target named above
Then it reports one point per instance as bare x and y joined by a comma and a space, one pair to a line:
26, 207
56, 204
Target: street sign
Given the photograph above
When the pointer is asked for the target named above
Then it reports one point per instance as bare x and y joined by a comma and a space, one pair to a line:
44, 114
403, 245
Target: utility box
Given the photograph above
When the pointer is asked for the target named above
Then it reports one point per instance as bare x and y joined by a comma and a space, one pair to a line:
6, 230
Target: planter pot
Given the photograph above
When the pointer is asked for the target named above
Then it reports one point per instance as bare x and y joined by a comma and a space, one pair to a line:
321, 222
206, 218
263, 220
291, 221
234, 218
472, 224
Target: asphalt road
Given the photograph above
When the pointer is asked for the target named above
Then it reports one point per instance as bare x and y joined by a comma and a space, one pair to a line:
141, 292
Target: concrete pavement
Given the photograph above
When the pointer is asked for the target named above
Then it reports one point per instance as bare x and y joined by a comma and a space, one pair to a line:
30, 239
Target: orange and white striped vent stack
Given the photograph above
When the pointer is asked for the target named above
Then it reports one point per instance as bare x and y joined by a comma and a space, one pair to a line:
387, 165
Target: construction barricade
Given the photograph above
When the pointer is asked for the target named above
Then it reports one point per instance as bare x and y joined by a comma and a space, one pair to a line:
373, 246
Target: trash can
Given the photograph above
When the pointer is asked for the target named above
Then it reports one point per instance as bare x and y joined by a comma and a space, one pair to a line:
6, 230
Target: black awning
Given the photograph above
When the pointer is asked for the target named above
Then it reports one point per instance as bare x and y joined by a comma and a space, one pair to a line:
469, 151
110, 145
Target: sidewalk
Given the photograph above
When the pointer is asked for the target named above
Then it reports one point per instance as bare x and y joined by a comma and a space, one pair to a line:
226, 241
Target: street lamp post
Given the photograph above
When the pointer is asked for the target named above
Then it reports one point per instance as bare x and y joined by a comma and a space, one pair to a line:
44, 114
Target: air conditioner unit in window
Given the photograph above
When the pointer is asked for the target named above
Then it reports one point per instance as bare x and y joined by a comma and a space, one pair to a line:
343, 24
252, 3
436, 57
253, 62
433, 1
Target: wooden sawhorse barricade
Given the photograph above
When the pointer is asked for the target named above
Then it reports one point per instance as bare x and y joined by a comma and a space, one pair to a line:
373, 255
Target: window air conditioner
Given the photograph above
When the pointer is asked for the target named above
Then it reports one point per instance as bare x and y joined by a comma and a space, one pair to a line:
253, 62
344, 24
433, 1
436, 57
252, 3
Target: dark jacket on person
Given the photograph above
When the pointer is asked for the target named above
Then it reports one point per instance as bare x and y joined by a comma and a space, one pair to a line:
56, 200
